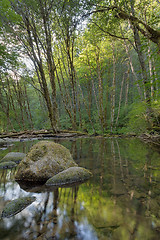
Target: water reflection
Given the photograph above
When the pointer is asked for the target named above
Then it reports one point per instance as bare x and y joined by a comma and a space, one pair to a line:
121, 201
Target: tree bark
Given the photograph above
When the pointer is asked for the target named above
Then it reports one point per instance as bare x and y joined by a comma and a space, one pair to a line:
39, 49
132, 69
140, 56
120, 99
113, 90
100, 89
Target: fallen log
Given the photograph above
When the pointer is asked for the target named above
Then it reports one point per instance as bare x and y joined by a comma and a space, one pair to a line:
41, 133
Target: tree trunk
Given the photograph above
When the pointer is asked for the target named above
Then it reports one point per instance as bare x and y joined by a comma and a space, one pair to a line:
127, 86
19, 100
6, 107
39, 48
13, 104
141, 57
28, 106
100, 89
132, 69
151, 71
120, 99
50, 62
69, 51
113, 90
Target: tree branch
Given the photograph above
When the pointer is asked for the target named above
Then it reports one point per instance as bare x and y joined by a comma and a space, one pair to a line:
110, 34
149, 32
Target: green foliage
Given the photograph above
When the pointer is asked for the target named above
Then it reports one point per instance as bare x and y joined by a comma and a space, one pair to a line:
156, 114
83, 55
137, 122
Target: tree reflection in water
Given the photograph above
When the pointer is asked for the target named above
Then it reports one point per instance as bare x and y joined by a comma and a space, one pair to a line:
121, 201
55, 215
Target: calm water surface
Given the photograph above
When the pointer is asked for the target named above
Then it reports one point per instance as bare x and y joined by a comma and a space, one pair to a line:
120, 202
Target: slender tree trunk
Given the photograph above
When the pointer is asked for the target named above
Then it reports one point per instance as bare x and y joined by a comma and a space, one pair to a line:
39, 52
86, 107
13, 104
66, 93
93, 85
156, 80
113, 91
120, 99
100, 89
132, 69
28, 106
69, 50
141, 57
89, 98
127, 86
151, 71
23, 102
50, 61
19, 100
64, 99
6, 107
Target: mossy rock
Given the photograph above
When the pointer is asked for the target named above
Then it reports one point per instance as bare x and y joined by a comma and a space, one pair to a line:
9, 164
71, 175
13, 157
44, 160
16, 206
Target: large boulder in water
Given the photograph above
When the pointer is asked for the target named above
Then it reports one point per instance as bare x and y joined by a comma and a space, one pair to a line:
44, 160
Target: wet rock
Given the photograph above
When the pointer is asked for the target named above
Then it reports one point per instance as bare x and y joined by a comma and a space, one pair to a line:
44, 160
14, 157
16, 206
9, 164
2, 142
71, 175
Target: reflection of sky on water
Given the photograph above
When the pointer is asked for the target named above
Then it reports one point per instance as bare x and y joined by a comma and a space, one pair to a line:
12, 190
85, 230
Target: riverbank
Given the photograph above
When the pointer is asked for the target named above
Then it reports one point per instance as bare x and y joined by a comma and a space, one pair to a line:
43, 134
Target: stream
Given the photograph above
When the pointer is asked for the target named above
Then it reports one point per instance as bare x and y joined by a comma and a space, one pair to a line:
120, 202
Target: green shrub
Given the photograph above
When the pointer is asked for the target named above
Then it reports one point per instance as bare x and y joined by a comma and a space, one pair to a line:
137, 120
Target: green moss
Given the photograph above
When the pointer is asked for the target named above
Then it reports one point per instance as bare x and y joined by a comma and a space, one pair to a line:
9, 164
14, 157
71, 175
44, 147
16, 206
44, 160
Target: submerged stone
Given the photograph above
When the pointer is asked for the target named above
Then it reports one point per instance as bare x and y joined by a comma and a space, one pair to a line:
71, 175
16, 206
44, 160
9, 164
14, 157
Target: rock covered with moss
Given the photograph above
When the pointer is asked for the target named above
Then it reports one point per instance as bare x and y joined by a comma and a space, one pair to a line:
16, 206
13, 157
9, 165
44, 160
68, 176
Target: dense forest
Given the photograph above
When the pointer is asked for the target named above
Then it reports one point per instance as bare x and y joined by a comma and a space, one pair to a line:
88, 65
